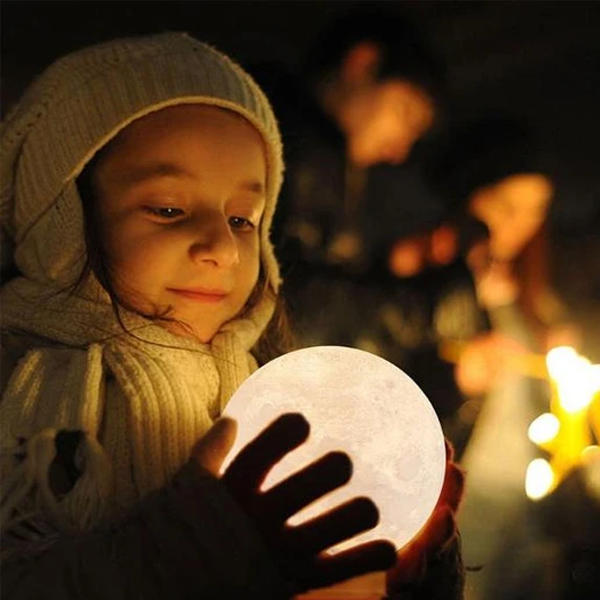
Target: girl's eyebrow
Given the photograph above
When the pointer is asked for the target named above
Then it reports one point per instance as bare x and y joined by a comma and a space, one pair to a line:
255, 187
143, 173
139, 174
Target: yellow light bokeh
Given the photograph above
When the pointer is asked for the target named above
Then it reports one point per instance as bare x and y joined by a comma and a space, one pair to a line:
594, 375
591, 453
539, 479
544, 429
560, 361
576, 379
569, 432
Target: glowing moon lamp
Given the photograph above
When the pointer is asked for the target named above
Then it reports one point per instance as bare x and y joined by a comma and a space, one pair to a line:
365, 406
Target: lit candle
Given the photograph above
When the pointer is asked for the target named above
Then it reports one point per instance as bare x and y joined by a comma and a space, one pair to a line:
574, 383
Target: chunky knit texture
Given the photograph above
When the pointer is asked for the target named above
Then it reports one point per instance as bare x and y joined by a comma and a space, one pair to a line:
143, 398
81, 102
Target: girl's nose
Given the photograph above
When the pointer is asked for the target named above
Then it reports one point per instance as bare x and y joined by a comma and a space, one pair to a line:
214, 242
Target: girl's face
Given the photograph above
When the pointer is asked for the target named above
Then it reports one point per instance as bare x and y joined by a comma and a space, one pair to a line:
181, 194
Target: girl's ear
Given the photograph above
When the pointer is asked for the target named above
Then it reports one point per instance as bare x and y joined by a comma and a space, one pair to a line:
361, 62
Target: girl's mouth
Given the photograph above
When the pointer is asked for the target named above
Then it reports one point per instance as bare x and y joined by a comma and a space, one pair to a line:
199, 295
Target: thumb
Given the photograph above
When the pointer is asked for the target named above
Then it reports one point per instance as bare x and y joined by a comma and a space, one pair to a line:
211, 450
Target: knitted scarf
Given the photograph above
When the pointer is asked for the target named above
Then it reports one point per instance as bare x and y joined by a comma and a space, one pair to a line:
141, 398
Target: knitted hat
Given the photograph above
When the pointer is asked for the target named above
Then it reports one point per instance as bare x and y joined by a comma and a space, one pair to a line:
80, 103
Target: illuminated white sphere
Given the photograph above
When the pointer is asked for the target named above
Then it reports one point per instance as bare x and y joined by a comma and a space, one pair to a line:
365, 406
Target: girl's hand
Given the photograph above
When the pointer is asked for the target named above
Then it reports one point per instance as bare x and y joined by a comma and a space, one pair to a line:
298, 550
433, 558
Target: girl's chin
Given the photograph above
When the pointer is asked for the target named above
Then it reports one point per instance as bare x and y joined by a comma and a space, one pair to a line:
182, 329
175, 323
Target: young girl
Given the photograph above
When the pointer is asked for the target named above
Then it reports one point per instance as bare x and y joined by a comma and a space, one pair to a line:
140, 180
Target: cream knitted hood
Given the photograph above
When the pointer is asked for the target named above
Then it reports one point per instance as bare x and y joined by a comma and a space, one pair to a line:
142, 400
81, 102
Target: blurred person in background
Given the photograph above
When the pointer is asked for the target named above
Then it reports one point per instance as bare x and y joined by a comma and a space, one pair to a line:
425, 309
473, 287
355, 125
369, 91
491, 170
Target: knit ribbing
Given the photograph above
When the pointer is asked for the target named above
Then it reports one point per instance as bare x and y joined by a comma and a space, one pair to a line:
164, 393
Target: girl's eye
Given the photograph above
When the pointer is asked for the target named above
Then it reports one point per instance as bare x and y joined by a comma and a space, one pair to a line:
164, 212
241, 223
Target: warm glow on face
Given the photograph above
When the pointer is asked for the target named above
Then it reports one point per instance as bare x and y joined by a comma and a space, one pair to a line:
363, 405
539, 479
577, 380
181, 197
544, 429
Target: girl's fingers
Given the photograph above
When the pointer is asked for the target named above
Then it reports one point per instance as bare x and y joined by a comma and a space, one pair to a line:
453, 487
302, 547
250, 467
440, 528
449, 450
435, 536
301, 489
409, 566
378, 555
211, 450
433, 540
340, 524
455, 481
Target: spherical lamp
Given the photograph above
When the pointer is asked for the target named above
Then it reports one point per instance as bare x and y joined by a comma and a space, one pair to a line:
365, 406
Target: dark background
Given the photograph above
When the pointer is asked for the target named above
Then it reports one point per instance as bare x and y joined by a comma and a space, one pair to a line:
541, 59
538, 59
